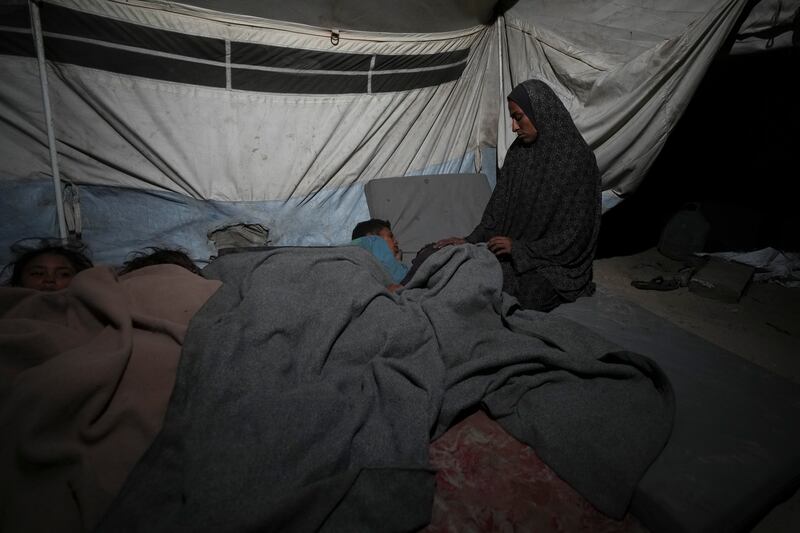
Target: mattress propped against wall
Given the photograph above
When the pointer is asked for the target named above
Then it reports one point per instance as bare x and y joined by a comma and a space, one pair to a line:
423, 209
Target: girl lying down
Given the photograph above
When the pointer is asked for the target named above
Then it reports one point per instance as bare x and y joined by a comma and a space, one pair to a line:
85, 376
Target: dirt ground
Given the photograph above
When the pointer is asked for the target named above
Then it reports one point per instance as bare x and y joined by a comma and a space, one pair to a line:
763, 327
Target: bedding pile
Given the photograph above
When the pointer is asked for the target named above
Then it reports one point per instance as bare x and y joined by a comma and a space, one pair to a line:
85, 377
307, 395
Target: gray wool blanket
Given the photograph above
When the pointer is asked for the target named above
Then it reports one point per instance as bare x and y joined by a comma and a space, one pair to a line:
307, 395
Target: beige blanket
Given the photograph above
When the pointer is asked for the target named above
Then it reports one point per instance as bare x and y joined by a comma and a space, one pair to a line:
85, 378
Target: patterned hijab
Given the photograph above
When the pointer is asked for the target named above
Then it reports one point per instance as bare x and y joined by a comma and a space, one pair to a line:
547, 197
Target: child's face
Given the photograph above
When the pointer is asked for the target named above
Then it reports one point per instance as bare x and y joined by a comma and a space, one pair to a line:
48, 272
387, 235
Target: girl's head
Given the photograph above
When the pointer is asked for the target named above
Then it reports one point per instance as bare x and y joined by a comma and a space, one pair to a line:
48, 268
159, 256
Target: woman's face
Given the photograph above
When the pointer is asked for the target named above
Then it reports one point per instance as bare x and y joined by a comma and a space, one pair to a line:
521, 124
47, 272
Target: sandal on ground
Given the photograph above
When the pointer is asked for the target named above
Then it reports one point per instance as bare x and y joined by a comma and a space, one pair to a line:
657, 284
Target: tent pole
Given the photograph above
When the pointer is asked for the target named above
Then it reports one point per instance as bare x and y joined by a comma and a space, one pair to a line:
500, 32
36, 25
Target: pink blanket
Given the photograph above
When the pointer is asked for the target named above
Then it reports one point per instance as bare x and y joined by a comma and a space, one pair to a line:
85, 377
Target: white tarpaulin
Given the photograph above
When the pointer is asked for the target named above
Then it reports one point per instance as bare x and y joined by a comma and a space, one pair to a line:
626, 70
230, 117
229, 143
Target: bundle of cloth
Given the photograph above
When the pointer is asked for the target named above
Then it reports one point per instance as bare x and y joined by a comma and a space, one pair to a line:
85, 377
308, 394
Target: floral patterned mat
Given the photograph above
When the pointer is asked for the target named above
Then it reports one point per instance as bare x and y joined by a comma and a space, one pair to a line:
488, 481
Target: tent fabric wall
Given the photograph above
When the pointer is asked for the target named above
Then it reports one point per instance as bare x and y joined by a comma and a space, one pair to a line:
408, 16
147, 99
625, 70
176, 100
231, 144
771, 24
173, 220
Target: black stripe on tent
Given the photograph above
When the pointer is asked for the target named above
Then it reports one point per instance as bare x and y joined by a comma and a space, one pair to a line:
132, 63
15, 16
293, 58
56, 19
17, 44
383, 62
330, 67
384, 83
297, 83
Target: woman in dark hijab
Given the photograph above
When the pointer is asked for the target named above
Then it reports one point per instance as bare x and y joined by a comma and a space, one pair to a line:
543, 218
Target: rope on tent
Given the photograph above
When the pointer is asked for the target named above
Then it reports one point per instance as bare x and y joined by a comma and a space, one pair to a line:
72, 210
775, 19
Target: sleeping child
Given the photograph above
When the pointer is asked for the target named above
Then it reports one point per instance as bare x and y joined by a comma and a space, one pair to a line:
375, 236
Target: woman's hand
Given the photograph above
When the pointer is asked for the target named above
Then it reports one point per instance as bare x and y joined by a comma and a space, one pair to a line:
447, 242
499, 245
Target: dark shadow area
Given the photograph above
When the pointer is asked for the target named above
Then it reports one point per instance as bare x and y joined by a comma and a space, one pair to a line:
734, 153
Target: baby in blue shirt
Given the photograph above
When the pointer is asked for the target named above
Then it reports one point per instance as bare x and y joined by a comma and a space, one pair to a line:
375, 236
